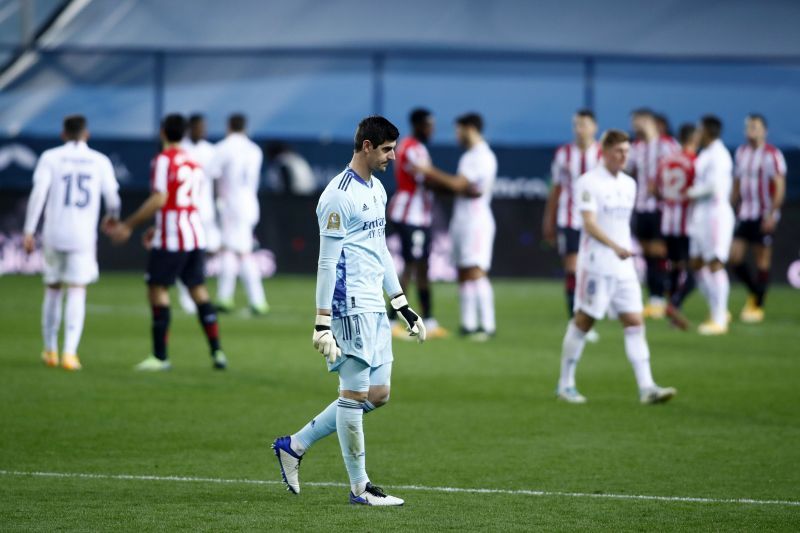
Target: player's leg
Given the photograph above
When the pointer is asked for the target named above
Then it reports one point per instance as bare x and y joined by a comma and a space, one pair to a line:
681, 279
53, 272
742, 238
251, 279
763, 259
649, 234
721, 291
81, 269
185, 299
568, 242
193, 276
162, 270
627, 301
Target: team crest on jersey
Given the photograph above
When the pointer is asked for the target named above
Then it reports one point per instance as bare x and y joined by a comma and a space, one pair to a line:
359, 343
334, 221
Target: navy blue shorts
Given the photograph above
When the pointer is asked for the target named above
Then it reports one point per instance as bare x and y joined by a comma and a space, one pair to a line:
569, 240
415, 242
164, 267
750, 231
647, 226
677, 248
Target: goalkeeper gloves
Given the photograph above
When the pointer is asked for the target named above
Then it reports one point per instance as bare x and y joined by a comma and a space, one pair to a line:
414, 324
323, 339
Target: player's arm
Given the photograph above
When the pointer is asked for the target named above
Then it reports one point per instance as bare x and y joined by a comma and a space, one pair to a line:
42, 177
456, 184
703, 186
736, 191
779, 195
550, 211
591, 227
109, 188
391, 284
330, 249
158, 197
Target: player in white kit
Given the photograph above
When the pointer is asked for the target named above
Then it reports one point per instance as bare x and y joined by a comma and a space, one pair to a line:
237, 166
711, 223
472, 226
607, 278
67, 184
202, 152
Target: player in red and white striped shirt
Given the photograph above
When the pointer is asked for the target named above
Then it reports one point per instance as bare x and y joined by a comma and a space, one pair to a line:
759, 186
646, 155
675, 176
562, 221
177, 247
411, 213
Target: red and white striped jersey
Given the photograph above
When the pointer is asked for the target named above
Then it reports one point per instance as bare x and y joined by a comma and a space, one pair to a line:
755, 168
570, 163
675, 176
412, 203
643, 163
178, 226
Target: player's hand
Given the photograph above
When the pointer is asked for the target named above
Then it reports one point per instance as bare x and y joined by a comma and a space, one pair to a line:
108, 223
120, 233
28, 243
622, 253
768, 223
414, 324
323, 339
147, 237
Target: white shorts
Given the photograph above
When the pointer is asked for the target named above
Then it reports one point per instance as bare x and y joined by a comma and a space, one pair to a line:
213, 236
365, 336
473, 244
711, 234
598, 294
73, 268
237, 234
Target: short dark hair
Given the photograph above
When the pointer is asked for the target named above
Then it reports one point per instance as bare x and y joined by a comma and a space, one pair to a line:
375, 129
587, 113
74, 126
196, 118
685, 132
613, 137
712, 126
663, 120
418, 116
173, 126
237, 122
643, 112
471, 119
759, 117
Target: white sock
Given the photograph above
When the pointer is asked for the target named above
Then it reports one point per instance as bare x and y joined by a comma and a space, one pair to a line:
187, 304
251, 278
468, 298
350, 429
703, 283
226, 283
571, 351
73, 321
485, 295
51, 318
722, 286
639, 355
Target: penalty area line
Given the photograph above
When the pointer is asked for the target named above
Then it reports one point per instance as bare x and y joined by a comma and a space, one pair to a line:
420, 488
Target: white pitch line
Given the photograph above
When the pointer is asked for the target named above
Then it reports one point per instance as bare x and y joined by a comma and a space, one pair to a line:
513, 492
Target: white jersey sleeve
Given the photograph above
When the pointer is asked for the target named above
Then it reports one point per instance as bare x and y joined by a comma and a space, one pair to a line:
109, 188
42, 178
417, 156
586, 197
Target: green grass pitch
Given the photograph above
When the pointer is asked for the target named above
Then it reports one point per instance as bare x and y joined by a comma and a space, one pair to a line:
462, 415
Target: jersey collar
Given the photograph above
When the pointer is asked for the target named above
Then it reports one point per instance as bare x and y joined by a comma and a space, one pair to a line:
358, 178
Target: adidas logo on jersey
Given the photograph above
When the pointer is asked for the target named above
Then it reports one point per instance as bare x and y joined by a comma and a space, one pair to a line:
365, 208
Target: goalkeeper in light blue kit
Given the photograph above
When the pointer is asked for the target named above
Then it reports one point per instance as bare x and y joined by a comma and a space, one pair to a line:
352, 330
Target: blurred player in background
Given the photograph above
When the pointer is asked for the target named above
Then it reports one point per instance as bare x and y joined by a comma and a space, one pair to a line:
562, 222
472, 227
201, 152
663, 125
759, 188
237, 165
675, 176
711, 224
607, 278
411, 213
177, 246
68, 182
352, 330
647, 153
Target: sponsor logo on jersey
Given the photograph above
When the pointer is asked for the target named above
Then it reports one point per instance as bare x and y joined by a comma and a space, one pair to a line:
365, 208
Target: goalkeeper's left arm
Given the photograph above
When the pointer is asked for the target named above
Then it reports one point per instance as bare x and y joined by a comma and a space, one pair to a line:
391, 284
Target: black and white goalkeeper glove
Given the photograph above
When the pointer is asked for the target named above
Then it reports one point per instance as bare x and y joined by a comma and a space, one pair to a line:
323, 339
414, 324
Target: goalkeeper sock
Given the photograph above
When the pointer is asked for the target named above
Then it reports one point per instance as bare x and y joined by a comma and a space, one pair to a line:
571, 351
350, 429
320, 427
